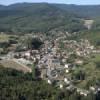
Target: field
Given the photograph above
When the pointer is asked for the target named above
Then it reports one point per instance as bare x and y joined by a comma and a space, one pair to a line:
14, 65
5, 37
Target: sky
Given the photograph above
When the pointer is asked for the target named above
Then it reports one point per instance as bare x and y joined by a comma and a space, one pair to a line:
79, 2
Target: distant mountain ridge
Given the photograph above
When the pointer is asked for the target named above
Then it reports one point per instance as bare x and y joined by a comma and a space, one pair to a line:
29, 17
89, 11
83, 10
43, 17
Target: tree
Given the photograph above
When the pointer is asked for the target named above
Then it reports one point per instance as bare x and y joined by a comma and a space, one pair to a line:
31, 43
33, 71
79, 75
97, 64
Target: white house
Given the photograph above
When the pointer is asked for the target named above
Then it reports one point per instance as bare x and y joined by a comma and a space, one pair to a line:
67, 71
49, 81
61, 86
66, 81
66, 65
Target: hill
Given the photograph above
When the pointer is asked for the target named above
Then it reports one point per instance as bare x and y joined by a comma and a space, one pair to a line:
91, 12
43, 17
29, 17
87, 11
2, 7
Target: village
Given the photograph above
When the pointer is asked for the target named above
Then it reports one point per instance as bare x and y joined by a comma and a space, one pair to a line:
54, 62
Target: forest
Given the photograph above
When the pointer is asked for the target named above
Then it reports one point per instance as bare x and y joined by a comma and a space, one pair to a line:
16, 85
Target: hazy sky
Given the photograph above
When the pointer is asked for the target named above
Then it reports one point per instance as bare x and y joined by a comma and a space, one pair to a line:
7, 2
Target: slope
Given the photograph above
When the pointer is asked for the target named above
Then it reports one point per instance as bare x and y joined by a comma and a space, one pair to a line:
29, 17
87, 11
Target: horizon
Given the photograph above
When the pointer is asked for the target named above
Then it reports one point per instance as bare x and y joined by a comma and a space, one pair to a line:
49, 3
73, 2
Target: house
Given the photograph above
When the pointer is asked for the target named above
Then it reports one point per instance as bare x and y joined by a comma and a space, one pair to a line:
70, 88
61, 86
66, 66
67, 70
79, 62
24, 61
82, 92
27, 54
53, 73
66, 81
92, 88
53, 63
38, 56
49, 81
64, 60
